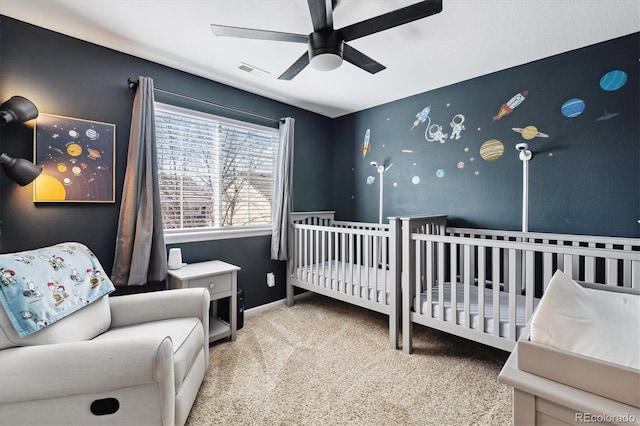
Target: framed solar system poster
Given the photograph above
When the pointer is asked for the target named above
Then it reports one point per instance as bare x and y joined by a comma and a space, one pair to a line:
77, 159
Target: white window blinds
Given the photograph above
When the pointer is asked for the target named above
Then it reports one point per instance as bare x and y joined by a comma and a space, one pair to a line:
213, 172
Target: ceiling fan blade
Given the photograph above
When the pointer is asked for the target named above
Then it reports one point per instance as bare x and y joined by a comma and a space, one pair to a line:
360, 60
392, 19
297, 66
238, 32
321, 14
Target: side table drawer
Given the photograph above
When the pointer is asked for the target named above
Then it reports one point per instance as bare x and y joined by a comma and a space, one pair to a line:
215, 284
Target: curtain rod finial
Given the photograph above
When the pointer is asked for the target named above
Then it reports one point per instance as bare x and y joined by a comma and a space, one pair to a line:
133, 84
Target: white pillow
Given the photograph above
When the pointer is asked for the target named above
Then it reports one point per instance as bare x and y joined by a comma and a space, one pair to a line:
594, 323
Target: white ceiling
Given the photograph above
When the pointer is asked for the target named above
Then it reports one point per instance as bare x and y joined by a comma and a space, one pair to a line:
469, 38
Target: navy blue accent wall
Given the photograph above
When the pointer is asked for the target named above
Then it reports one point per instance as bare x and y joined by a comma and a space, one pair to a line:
69, 77
584, 176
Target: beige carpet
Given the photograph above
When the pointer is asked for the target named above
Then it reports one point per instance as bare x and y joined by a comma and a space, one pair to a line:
324, 362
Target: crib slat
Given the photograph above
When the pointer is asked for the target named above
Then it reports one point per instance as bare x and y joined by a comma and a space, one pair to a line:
590, 269
441, 280
626, 269
303, 250
391, 259
482, 276
331, 236
454, 289
529, 291
495, 272
513, 280
576, 260
568, 265
453, 253
358, 281
367, 275
467, 284
547, 269
590, 266
429, 277
322, 274
611, 266
352, 263
343, 261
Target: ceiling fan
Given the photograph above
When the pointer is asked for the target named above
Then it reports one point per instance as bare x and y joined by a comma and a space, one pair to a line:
327, 46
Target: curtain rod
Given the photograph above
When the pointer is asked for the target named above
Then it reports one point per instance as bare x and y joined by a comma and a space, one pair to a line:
133, 85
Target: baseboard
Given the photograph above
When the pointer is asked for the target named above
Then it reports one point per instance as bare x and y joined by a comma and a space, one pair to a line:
272, 305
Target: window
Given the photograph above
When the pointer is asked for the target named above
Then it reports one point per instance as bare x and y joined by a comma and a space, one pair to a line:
215, 174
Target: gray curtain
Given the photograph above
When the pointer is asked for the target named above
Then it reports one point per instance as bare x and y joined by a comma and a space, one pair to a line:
282, 192
140, 254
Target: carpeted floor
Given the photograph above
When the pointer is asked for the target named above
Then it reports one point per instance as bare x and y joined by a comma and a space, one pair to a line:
324, 362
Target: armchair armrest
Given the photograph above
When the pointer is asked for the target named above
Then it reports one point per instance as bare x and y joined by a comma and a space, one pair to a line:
90, 366
160, 305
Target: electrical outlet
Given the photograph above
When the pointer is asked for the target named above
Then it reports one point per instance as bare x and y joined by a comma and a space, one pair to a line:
271, 279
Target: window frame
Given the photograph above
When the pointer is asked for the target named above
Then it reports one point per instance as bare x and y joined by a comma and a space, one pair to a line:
172, 236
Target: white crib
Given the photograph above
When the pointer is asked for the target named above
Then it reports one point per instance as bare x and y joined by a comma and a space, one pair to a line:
356, 262
484, 285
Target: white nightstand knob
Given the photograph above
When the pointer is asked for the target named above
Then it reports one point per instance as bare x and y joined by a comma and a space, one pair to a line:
212, 286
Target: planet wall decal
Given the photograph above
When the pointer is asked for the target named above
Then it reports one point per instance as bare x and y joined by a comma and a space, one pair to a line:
491, 150
530, 132
613, 80
572, 107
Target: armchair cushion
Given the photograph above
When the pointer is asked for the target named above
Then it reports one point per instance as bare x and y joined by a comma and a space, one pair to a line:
186, 335
40, 287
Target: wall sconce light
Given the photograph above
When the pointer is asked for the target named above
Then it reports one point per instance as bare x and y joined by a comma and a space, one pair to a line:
18, 109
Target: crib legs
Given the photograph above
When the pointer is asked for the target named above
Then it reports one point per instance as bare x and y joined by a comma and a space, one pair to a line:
394, 329
290, 299
407, 329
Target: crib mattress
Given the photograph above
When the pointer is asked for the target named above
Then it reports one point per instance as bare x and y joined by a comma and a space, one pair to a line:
489, 322
364, 282
591, 343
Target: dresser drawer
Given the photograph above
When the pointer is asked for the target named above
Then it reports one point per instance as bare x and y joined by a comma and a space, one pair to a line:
215, 284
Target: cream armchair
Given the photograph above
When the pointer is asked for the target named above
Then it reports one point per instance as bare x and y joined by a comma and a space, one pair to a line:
126, 360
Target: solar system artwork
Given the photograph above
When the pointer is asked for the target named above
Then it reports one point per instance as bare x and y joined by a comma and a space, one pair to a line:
77, 160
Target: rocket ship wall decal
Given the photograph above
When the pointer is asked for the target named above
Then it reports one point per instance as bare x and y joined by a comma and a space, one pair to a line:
511, 105
366, 145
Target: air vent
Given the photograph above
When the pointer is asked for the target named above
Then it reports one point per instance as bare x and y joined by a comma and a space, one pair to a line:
253, 70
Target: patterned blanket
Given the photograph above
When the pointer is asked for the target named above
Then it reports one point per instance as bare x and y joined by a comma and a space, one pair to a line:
40, 287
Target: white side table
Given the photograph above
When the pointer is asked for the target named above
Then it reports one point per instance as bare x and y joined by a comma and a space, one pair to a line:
221, 279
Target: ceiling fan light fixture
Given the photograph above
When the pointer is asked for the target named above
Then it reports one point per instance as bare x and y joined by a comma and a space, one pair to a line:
325, 50
326, 61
